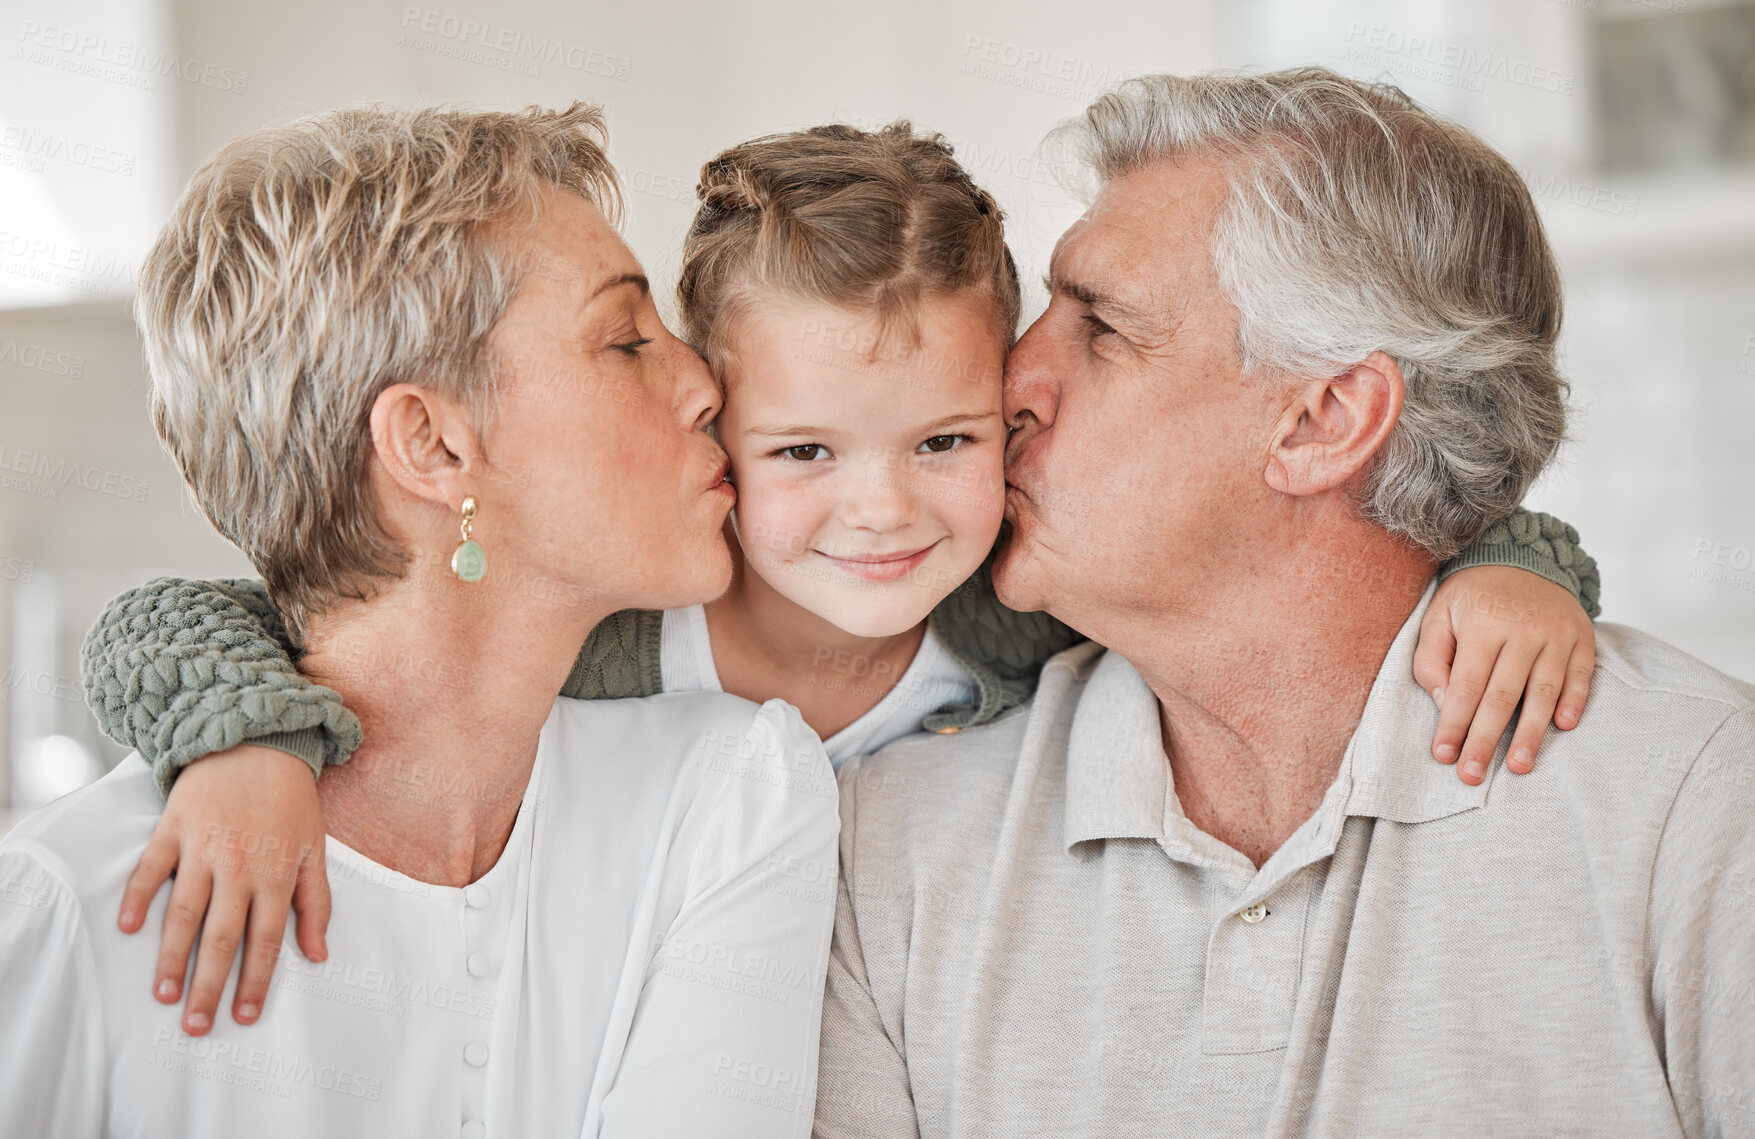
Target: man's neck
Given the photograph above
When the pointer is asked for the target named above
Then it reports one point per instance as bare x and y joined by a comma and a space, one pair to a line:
452, 683
1260, 690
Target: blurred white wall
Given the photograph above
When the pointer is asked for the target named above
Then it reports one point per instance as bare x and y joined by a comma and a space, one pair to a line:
107, 105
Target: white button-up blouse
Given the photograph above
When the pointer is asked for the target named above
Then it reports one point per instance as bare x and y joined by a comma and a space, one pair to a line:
645, 959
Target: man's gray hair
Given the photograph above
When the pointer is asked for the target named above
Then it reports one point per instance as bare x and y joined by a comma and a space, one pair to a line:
1359, 222
309, 266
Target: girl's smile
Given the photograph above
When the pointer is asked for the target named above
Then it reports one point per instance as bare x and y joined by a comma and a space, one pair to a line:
887, 567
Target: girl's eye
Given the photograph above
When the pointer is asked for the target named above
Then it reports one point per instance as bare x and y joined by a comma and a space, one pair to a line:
939, 444
803, 452
633, 347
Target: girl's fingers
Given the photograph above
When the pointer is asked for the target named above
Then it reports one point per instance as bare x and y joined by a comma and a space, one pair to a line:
155, 865
220, 938
190, 891
1434, 652
310, 902
1504, 689
1580, 668
1539, 697
267, 926
1469, 676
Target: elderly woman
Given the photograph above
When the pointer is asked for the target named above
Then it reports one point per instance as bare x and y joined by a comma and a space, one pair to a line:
551, 917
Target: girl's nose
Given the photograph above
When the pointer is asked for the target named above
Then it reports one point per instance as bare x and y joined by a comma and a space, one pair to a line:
879, 498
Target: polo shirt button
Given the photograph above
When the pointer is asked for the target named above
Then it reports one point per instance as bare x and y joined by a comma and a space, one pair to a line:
477, 896
1254, 913
477, 964
475, 1054
474, 1129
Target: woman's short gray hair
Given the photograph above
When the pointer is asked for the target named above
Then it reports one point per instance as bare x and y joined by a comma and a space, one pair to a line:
1359, 222
309, 266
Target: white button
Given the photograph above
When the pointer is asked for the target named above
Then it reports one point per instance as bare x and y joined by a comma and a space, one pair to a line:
477, 896
474, 1129
477, 964
475, 1053
1254, 913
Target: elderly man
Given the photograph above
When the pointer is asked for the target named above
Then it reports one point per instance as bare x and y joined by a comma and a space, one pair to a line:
1299, 349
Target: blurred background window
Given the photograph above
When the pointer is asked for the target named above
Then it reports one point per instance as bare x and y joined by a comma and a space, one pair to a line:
1677, 89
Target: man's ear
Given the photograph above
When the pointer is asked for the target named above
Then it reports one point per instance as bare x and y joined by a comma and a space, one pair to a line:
425, 444
1332, 429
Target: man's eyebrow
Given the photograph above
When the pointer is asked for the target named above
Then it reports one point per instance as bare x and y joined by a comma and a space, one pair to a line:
638, 279
1095, 298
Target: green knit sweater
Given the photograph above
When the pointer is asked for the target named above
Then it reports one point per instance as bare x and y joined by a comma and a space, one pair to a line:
178, 669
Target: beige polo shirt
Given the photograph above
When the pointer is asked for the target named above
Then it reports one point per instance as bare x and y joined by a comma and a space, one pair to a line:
1033, 940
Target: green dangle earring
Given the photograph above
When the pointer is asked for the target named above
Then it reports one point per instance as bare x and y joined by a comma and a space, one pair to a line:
469, 563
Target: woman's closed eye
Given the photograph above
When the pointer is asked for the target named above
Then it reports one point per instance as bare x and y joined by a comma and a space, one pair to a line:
633, 347
1097, 326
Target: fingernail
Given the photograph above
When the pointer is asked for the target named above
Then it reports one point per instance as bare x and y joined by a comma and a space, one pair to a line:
1446, 752
167, 990
129, 917
247, 1012
195, 1022
1438, 696
1474, 769
1521, 757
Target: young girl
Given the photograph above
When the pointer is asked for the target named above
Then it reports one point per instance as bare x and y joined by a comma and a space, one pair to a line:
853, 292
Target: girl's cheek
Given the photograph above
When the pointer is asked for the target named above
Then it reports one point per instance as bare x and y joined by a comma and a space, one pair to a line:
972, 492
778, 516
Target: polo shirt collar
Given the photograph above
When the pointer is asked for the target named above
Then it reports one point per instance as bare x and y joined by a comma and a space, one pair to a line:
1394, 776
1116, 772
1118, 777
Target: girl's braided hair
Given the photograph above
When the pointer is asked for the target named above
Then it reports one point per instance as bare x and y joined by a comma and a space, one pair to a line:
870, 221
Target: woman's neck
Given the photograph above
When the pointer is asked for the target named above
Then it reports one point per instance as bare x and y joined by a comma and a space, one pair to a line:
452, 683
766, 645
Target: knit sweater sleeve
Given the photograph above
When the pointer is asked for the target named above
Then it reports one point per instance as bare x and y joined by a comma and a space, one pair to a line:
178, 669
620, 658
1541, 544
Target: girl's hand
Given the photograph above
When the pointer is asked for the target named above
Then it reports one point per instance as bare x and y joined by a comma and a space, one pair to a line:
1492, 636
243, 831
